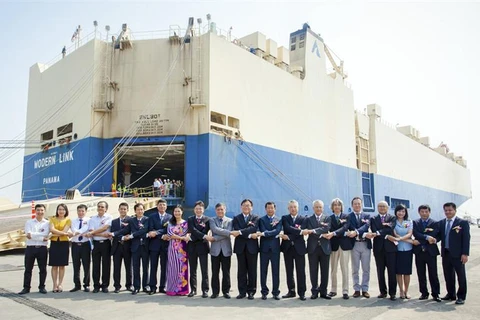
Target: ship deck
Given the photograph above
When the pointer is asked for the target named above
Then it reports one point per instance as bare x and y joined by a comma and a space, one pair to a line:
82, 305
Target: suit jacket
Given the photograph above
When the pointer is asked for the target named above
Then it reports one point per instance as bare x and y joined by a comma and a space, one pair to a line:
339, 228
117, 226
138, 230
160, 227
292, 230
197, 230
379, 242
459, 237
361, 226
420, 233
314, 239
269, 241
242, 242
221, 233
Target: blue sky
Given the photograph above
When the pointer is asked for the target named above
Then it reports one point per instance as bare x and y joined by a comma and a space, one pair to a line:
419, 61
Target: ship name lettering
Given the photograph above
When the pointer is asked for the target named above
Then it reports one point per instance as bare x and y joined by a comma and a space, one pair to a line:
66, 156
54, 179
44, 162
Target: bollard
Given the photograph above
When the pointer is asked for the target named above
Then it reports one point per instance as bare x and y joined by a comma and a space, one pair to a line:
33, 210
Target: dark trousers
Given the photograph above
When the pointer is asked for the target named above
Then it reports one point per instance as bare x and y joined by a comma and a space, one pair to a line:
247, 272
155, 256
81, 257
424, 260
193, 258
224, 263
265, 259
291, 256
386, 260
451, 266
140, 255
40, 254
314, 260
101, 257
122, 253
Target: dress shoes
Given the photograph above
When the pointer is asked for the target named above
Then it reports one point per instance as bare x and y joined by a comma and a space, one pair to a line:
214, 296
205, 294
436, 298
151, 292
289, 295
96, 290
447, 297
356, 294
366, 294
382, 296
276, 297
86, 289
241, 296
227, 296
325, 296
264, 297
130, 288
42, 291
250, 296
117, 290
75, 289
393, 298
423, 297
314, 296
332, 294
302, 298
192, 293
345, 296
460, 301
135, 291
24, 291
162, 290
105, 290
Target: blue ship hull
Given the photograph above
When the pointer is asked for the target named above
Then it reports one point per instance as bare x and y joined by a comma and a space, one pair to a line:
219, 169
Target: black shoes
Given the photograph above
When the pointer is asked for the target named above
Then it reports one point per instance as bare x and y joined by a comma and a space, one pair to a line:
205, 294
241, 296
75, 289
96, 290
105, 290
332, 294
250, 296
289, 295
314, 296
303, 298
447, 297
135, 291
42, 291
345, 296
393, 298
117, 290
192, 293
227, 295
162, 290
324, 296
264, 297
425, 297
24, 291
436, 298
276, 297
460, 301
214, 296
86, 289
382, 296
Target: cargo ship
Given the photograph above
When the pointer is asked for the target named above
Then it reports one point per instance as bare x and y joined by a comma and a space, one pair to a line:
226, 118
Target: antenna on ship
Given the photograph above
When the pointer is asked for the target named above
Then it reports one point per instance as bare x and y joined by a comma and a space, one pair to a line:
95, 25
199, 21
107, 29
209, 19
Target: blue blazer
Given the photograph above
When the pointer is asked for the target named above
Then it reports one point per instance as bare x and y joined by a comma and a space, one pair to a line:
459, 237
160, 227
420, 233
270, 242
138, 230
361, 226
242, 242
116, 226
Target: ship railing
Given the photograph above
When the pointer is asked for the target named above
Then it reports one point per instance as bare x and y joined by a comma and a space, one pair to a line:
157, 34
72, 48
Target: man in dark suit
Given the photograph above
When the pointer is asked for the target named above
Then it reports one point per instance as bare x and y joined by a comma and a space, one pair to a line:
245, 227
121, 250
455, 236
318, 247
362, 249
197, 248
158, 246
294, 250
384, 249
426, 232
136, 232
341, 247
269, 227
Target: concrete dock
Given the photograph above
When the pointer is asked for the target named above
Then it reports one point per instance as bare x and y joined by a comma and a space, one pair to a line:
80, 305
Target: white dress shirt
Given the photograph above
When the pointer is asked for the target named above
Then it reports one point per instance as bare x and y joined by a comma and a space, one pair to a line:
96, 222
75, 228
38, 230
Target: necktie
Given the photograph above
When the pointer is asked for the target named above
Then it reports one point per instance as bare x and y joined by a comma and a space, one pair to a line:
383, 218
199, 220
246, 219
425, 223
447, 234
80, 238
358, 216
220, 219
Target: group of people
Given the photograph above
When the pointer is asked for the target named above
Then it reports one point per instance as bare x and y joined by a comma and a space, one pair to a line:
167, 188
176, 245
